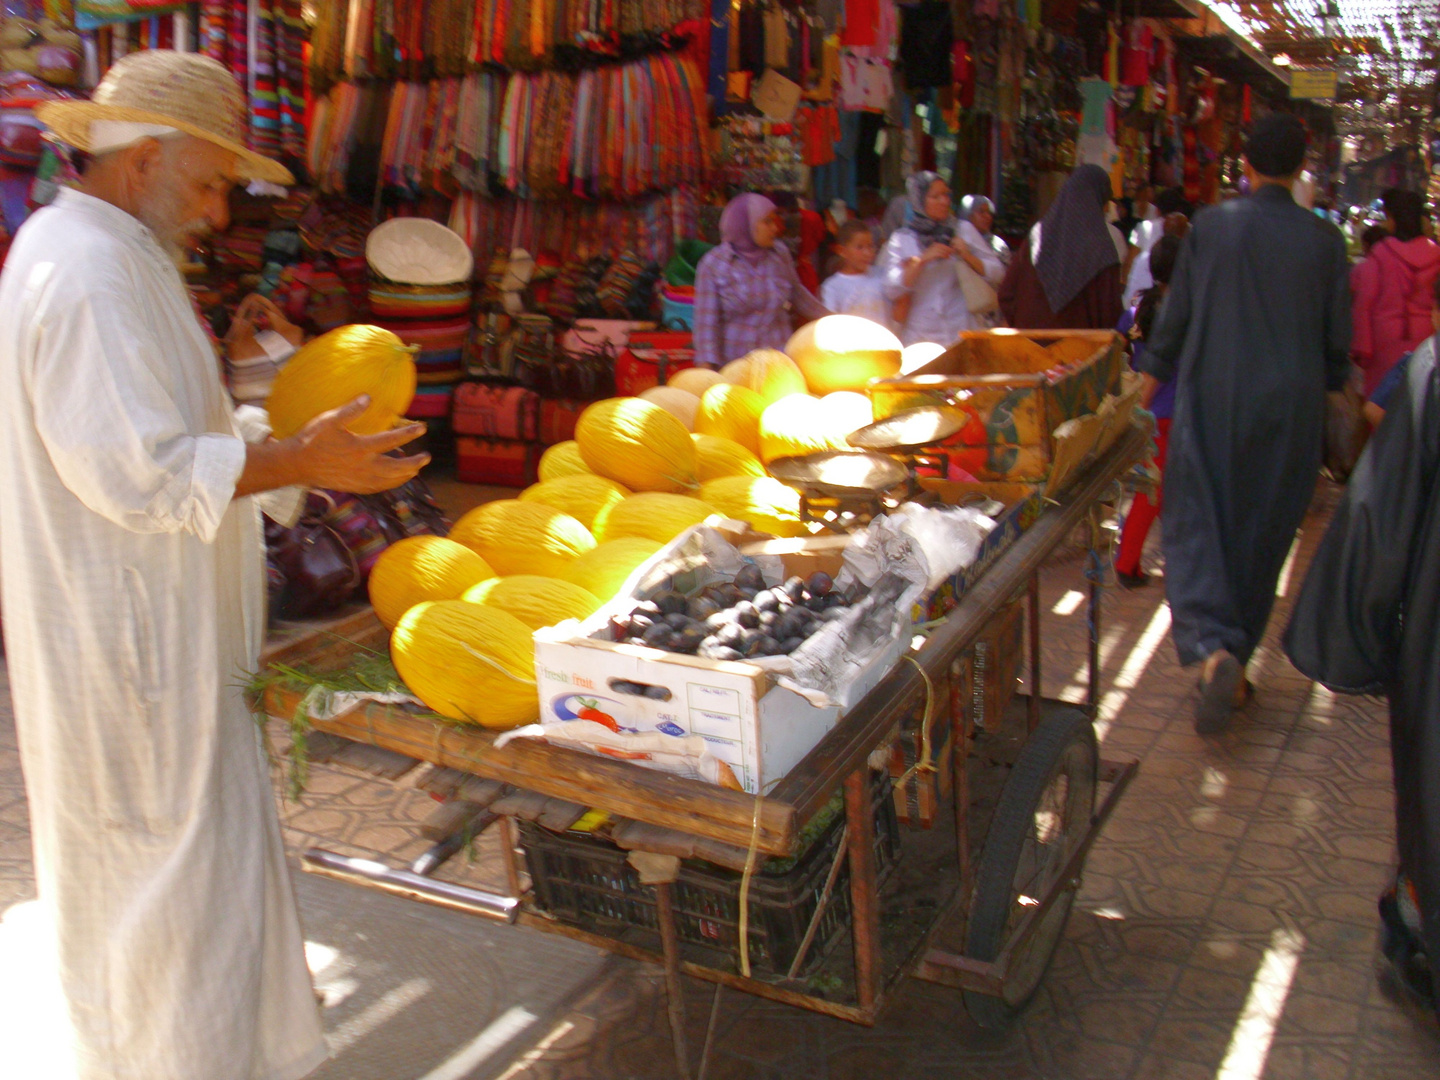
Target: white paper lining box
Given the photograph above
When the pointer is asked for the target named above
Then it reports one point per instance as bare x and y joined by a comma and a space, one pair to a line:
758, 728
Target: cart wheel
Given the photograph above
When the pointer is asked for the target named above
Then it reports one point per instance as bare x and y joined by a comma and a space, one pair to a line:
1044, 812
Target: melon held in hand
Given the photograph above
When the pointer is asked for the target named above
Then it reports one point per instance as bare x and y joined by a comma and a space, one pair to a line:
336, 368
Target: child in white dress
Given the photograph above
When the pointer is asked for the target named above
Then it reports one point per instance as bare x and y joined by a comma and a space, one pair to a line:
856, 289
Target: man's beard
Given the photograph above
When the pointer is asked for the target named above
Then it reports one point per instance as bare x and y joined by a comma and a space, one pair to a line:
161, 214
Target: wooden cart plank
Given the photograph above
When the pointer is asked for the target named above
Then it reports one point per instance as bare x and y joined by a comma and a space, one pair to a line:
617, 787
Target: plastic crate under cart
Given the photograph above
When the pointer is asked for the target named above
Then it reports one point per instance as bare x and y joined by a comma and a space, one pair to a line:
585, 880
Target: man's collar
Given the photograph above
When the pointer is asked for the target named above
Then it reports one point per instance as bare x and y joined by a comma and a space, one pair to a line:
115, 219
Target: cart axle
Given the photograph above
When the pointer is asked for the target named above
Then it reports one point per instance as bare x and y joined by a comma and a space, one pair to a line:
377, 875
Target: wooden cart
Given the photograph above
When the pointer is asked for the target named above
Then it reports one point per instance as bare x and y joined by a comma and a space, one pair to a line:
1009, 876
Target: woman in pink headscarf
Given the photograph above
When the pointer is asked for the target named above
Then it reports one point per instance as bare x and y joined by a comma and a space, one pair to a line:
746, 289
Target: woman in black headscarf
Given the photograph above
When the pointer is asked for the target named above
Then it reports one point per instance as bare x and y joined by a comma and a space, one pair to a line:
1067, 276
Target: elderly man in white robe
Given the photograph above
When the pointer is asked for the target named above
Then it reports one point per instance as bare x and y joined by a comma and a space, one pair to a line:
132, 561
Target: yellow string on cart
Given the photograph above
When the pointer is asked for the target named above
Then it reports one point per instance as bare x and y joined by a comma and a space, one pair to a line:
926, 762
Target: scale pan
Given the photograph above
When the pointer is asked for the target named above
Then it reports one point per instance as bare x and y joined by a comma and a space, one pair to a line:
840, 473
911, 429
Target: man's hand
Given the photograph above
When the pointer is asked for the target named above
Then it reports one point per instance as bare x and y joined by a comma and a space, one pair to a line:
256, 307
325, 454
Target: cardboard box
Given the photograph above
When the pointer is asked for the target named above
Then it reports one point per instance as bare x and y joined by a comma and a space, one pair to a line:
757, 727
1014, 389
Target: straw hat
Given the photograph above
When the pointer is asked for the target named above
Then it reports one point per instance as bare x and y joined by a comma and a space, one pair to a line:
186, 91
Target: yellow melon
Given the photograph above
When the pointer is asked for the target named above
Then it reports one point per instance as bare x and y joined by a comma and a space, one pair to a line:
422, 568
652, 514
680, 404
336, 368
731, 412
606, 569
695, 380
638, 444
769, 372
767, 504
536, 601
470, 662
844, 352
582, 496
716, 457
793, 427
845, 411
563, 459
518, 537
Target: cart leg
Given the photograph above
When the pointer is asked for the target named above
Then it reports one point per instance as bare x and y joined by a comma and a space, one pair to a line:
1092, 689
960, 781
863, 902
507, 847
1033, 619
674, 990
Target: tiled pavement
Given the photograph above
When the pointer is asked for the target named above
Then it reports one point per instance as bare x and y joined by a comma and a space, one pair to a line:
1225, 930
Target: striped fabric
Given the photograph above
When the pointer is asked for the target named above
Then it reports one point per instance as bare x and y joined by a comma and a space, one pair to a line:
435, 318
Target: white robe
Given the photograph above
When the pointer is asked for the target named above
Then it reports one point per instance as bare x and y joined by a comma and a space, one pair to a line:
133, 601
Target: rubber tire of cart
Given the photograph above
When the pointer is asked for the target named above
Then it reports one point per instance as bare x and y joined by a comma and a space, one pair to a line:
1062, 743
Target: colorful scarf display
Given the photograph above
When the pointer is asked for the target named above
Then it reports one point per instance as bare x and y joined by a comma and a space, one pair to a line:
262, 42
415, 39
615, 132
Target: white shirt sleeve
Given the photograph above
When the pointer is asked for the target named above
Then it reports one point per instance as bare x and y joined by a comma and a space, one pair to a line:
112, 430
899, 249
283, 505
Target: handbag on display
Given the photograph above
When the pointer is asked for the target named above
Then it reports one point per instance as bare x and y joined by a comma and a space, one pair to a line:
504, 462
314, 568
651, 358
496, 412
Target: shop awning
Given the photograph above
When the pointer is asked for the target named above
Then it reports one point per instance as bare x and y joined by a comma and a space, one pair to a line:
1209, 40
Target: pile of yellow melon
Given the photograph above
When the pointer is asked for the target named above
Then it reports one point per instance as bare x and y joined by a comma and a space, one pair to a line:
639, 472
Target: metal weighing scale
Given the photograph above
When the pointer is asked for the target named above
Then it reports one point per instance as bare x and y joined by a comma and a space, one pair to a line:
844, 490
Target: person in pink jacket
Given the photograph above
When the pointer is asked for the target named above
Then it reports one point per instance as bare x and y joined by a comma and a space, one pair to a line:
1392, 289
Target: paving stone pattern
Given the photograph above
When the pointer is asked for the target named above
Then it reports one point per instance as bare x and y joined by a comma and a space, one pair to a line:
1225, 930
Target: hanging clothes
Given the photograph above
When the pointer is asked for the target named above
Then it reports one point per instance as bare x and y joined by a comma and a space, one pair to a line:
926, 39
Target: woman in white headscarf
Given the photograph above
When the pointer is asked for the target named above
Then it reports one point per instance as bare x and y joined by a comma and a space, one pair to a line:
977, 229
919, 266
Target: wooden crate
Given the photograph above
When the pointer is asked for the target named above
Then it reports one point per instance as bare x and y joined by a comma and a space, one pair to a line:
1014, 389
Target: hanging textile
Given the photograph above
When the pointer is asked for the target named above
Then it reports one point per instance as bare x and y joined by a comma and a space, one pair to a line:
607, 133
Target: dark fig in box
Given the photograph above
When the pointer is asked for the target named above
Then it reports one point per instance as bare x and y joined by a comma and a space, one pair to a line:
659, 636
750, 578
689, 639
819, 583
671, 602
702, 607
